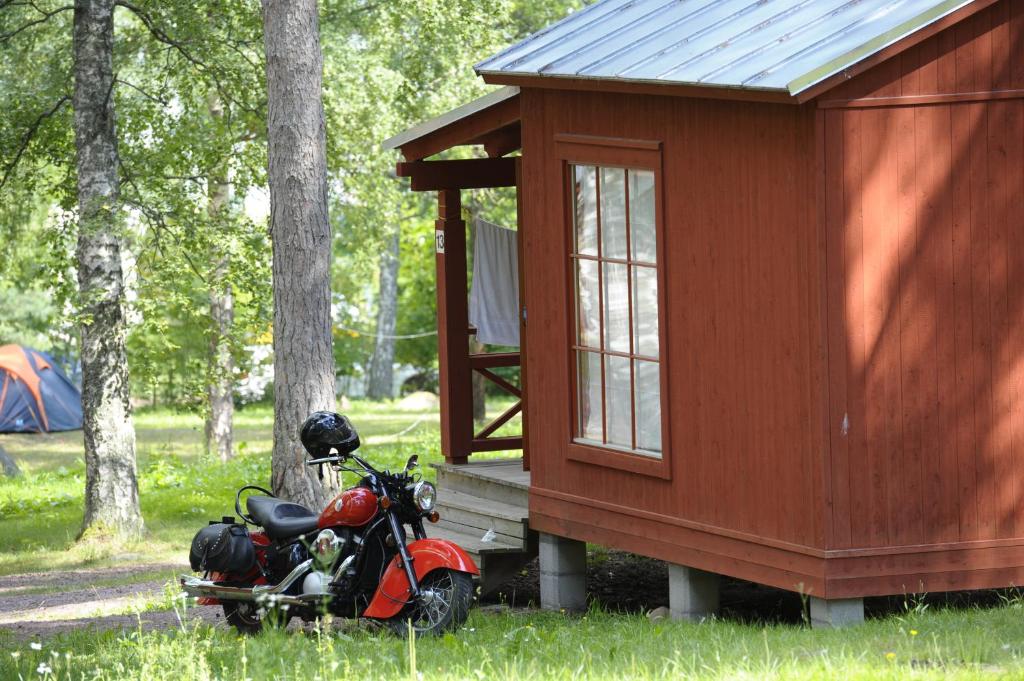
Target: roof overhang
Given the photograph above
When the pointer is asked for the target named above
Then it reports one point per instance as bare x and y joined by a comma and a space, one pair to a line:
513, 66
492, 120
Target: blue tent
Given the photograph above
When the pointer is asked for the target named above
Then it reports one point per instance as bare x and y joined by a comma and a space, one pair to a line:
35, 394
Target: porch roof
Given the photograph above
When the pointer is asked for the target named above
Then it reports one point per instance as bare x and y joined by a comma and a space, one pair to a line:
492, 120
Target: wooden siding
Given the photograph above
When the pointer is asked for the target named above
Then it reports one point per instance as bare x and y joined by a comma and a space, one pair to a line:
743, 316
924, 202
844, 316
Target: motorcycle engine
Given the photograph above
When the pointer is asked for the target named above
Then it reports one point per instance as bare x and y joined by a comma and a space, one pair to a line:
316, 583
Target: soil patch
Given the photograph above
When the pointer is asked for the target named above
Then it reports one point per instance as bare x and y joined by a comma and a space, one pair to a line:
627, 583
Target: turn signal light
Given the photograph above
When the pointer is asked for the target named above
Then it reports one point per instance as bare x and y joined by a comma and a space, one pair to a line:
385, 503
433, 516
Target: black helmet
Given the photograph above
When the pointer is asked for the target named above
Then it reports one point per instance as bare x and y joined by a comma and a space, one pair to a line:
324, 431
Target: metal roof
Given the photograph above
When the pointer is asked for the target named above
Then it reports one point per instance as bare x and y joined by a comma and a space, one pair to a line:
781, 45
449, 117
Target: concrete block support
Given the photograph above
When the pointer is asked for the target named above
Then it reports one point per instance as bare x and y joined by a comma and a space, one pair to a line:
692, 593
563, 573
838, 612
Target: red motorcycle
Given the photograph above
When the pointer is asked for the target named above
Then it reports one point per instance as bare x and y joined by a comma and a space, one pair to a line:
352, 559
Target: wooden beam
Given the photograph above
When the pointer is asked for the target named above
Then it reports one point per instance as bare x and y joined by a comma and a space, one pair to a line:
503, 141
497, 444
463, 130
521, 262
455, 374
504, 418
473, 173
489, 360
500, 382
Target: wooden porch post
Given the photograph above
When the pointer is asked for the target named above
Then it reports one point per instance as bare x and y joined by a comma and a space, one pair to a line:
453, 329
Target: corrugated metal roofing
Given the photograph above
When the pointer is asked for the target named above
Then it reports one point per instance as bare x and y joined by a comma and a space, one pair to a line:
784, 45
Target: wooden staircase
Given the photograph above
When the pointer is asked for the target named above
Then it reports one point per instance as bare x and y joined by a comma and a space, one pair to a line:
483, 508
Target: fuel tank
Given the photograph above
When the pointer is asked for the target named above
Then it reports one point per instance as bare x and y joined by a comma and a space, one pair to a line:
352, 508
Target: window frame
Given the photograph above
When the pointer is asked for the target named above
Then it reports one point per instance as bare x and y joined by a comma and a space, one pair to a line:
631, 154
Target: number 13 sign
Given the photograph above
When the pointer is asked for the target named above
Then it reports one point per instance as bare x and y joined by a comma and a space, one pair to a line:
438, 241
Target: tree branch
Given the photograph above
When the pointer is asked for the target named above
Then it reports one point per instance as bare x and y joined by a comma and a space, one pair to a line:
176, 45
29, 135
152, 98
46, 16
159, 33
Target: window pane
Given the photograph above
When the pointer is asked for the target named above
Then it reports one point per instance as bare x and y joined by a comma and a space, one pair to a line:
641, 215
648, 406
588, 378
588, 304
613, 213
618, 401
585, 190
616, 307
645, 311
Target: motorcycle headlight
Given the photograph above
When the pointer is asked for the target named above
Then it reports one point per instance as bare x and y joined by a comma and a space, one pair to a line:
424, 495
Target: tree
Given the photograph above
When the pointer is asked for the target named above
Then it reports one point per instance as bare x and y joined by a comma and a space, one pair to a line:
111, 488
392, 65
220, 402
300, 238
381, 381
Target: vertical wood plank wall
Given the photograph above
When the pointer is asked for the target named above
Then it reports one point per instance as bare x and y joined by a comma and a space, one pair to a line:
925, 258
745, 336
845, 322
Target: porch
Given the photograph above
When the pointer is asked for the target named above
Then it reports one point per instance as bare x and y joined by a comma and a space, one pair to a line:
483, 508
483, 504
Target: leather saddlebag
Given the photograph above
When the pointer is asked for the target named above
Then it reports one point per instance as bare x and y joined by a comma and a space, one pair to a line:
222, 548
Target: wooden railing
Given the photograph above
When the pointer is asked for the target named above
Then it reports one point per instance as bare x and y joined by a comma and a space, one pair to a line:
456, 364
482, 364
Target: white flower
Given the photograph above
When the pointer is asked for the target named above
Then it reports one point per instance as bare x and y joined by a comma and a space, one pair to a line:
43, 669
54, 654
15, 654
35, 646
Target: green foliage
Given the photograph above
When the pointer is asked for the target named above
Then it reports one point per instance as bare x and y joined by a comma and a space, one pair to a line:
949, 644
190, 103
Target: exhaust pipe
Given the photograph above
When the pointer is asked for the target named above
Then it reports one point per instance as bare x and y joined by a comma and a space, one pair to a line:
194, 586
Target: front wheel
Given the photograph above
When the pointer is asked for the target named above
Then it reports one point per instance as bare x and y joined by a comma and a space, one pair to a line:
443, 604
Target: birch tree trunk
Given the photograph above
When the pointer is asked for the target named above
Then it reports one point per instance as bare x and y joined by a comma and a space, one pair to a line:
220, 405
111, 489
382, 375
301, 240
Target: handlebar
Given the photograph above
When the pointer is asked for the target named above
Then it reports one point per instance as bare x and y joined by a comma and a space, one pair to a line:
326, 459
342, 458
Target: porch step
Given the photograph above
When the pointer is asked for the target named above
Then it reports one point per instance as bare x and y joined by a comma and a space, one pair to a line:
463, 510
502, 480
471, 541
478, 497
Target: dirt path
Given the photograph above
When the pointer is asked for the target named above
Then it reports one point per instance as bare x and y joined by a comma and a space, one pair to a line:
34, 606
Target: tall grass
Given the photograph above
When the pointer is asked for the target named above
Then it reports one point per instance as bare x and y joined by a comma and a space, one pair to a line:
973, 644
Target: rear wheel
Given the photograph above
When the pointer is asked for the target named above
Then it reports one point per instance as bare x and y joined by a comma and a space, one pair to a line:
249, 618
443, 604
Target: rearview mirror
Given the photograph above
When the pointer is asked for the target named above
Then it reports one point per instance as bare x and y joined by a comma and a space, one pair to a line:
413, 462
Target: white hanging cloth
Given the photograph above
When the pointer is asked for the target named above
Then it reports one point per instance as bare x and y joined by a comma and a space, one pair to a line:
494, 297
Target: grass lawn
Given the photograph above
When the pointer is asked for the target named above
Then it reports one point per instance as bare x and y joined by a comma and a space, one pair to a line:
180, 489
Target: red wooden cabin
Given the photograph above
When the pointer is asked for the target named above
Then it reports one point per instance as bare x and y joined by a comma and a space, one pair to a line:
772, 256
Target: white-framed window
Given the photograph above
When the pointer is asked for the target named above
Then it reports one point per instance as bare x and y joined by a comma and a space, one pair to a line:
616, 341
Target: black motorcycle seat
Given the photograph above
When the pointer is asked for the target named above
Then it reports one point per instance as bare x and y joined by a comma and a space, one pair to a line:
281, 519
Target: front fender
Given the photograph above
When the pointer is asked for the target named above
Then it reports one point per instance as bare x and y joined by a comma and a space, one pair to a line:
427, 555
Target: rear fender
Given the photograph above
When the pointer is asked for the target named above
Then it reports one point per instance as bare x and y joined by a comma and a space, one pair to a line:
427, 555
